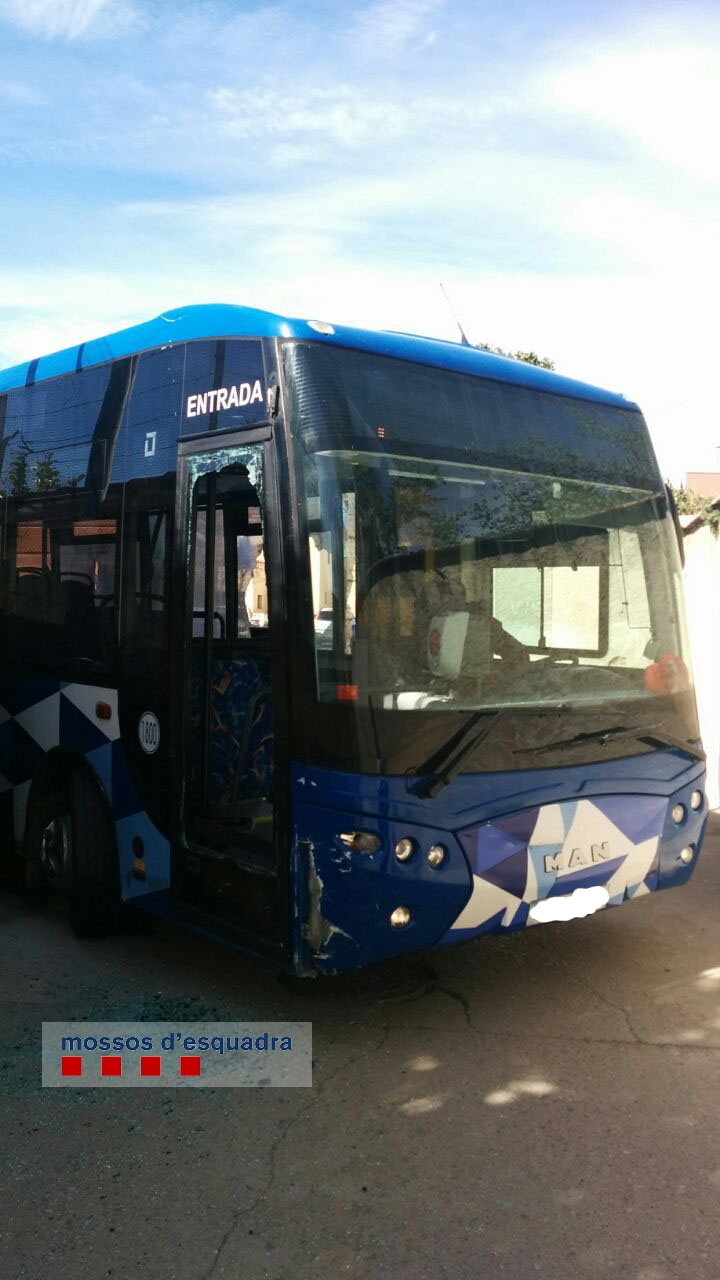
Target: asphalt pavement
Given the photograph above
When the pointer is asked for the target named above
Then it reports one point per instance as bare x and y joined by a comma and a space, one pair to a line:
539, 1105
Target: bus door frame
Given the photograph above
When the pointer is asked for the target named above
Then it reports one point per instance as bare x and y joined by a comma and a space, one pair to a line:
273, 541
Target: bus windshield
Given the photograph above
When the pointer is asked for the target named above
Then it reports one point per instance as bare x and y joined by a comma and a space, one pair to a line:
444, 582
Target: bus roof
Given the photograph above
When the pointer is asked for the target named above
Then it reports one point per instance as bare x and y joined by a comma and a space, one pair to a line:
222, 321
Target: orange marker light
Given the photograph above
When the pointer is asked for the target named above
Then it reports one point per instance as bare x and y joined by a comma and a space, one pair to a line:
347, 693
668, 675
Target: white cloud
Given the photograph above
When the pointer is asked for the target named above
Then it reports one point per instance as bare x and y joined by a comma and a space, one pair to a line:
573, 213
339, 113
70, 19
654, 87
388, 26
335, 113
655, 237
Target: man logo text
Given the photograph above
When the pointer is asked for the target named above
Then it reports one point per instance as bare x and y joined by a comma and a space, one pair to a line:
577, 858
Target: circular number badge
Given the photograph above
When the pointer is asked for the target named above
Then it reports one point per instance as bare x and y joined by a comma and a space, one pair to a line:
149, 732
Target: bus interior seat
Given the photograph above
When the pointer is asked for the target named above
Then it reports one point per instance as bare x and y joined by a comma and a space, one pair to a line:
29, 618
107, 625
241, 735
80, 632
31, 595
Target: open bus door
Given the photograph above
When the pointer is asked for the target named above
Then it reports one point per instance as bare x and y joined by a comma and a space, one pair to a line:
229, 876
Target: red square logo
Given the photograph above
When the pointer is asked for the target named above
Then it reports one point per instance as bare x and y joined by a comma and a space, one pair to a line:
110, 1066
190, 1065
150, 1065
71, 1065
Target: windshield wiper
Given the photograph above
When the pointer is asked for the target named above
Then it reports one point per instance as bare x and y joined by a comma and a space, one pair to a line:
643, 733
447, 760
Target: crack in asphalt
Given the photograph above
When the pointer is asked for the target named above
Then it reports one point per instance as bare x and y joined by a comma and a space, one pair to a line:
453, 995
583, 982
500, 1035
317, 1095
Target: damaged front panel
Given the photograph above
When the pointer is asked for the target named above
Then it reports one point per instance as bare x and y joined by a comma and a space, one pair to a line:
369, 903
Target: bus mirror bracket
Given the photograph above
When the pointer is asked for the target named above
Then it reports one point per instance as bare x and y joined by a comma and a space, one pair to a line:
676, 521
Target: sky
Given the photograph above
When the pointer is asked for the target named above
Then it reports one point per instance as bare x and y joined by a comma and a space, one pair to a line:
555, 165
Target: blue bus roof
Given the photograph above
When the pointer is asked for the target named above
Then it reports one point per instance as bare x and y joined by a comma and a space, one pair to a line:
222, 321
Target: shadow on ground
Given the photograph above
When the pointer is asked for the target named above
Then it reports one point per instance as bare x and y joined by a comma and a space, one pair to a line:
543, 1104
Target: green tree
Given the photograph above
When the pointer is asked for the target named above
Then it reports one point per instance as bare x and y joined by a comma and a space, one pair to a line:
690, 503
47, 475
19, 470
528, 357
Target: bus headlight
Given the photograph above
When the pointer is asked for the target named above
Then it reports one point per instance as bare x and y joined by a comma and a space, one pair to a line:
400, 917
678, 812
687, 854
360, 841
436, 855
696, 800
404, 849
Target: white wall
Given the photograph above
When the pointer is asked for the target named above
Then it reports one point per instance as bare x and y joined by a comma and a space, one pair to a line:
702, 599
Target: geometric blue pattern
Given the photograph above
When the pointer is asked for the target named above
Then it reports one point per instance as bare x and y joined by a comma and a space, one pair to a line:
510, 874
497, 845
549, 851
17, 695
77, 732
638, 822
100, 760
39, 715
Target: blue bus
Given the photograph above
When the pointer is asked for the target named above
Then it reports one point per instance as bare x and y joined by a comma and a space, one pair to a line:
335, 644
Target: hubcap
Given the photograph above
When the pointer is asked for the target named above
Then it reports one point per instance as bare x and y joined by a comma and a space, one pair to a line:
54, 850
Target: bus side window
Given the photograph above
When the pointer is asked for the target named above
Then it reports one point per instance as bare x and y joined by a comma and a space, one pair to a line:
249, 554
219, 621
32, 633
61, 599
86, 590
146, 582
240, 590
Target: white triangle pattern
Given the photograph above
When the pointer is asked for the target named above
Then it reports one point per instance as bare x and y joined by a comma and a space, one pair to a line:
589, 825
86, 697
42, 721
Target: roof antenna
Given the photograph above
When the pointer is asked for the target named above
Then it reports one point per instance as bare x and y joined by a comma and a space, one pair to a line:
463, 336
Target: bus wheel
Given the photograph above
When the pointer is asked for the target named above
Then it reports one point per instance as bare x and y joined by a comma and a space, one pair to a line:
94, 873
55, 851
71, 848
47, 843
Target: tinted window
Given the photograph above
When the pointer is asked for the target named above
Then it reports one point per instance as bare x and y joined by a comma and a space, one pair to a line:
60, 586
146, 608
224, 386
153, 415
49, 430
240, 593
62, 521
343, 399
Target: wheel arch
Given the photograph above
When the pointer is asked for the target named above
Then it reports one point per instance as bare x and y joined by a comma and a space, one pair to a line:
54, 773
